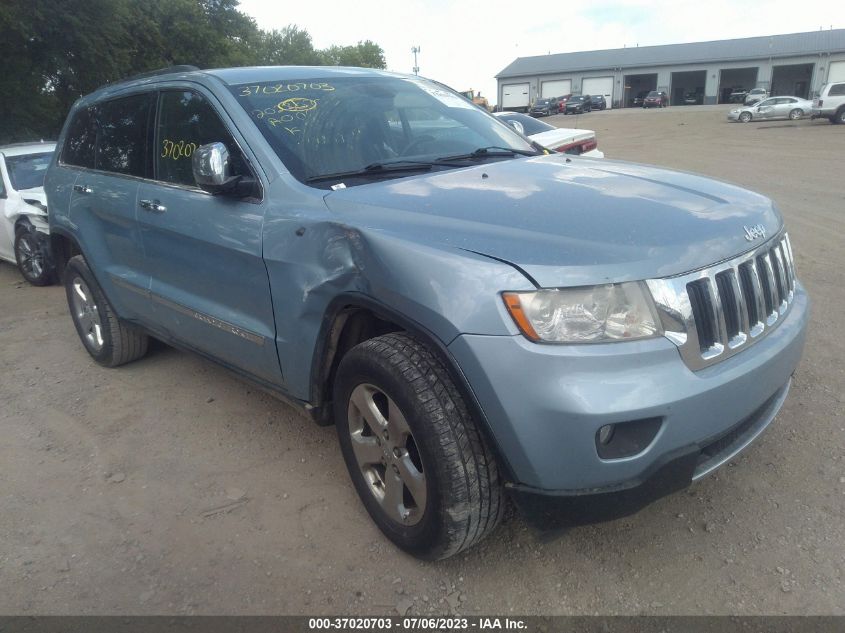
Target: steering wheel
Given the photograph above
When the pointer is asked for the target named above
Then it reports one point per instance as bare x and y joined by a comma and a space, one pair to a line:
420, 140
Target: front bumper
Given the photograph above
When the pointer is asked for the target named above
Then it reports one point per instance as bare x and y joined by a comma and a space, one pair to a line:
545, 404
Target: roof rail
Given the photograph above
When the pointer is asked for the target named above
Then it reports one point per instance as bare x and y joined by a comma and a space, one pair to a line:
185, 68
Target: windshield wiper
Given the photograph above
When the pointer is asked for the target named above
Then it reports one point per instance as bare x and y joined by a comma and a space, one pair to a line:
376, 169
493, 151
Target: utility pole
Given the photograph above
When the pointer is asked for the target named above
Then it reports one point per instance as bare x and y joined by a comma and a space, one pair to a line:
415, 50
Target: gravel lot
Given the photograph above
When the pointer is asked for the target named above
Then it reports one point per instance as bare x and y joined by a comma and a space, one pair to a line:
168, 486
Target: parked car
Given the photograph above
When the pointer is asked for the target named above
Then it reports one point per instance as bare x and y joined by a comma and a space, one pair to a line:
656, 99
578, 104
24, 229
545, 106
830, 102
556, 139
477, 318
640, 98
773, 108
755, 95
738, 95
598, 102
693, 98
561, 103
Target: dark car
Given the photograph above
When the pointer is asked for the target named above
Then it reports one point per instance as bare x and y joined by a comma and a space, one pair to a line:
598, 102
640, 98
578, 104
693, 98
656, 99
545, 107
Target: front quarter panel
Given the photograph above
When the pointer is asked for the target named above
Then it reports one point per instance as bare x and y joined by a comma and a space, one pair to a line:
314, 255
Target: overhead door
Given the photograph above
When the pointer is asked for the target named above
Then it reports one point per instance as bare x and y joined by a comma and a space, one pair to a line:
836, 72
556, 88
599, 86
515, 96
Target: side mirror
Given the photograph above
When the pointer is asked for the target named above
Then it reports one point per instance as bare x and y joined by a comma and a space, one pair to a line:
517, 126
212, 168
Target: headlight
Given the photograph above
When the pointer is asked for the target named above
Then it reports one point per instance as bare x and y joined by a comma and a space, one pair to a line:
587, 314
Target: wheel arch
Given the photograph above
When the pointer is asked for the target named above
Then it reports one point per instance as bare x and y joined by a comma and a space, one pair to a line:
353, 318
63, 246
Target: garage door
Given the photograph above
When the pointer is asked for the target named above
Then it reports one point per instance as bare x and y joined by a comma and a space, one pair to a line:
599, 86
837, 72
515, 96
556, 88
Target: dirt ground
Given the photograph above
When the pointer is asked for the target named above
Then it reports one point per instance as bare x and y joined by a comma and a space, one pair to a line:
168, 486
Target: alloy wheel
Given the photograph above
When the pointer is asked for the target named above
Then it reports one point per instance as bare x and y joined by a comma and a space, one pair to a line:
86, 314
387, 454
29, 256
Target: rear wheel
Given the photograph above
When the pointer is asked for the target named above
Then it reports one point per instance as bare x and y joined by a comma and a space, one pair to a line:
839, 117
421, 467
32, 254
796, 114
108, 340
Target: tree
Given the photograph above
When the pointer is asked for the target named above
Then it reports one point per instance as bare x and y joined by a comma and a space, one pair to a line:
54, 51
366, 54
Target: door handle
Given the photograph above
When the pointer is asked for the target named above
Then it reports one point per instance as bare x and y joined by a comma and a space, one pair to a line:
153, 206
83, 189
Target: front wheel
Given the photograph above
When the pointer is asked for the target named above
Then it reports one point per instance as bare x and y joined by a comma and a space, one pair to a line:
32, 254
108, 340
745, 117
796, 114
420, 465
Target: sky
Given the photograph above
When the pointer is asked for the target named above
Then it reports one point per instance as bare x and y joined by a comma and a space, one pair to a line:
465, 43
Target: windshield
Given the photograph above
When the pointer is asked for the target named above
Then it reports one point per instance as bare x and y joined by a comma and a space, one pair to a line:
757, 91
529, 123
578, 99
653, 93
27, 170
335, 125
543, 101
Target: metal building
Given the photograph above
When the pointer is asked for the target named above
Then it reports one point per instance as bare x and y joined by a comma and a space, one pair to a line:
797, 64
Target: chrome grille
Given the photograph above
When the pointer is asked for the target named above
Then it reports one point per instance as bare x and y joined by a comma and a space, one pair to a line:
713, 313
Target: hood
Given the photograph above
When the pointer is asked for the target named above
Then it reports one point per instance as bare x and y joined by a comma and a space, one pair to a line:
561, 136
36, 194
566, 220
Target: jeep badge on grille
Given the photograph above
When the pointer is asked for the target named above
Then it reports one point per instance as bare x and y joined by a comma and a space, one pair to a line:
753, 232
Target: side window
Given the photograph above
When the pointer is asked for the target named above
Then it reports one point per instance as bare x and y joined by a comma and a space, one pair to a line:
122, 142
2, 186
836, 90
185, 121
81, 139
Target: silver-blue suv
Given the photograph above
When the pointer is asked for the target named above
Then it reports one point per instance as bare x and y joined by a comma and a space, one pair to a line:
482, 320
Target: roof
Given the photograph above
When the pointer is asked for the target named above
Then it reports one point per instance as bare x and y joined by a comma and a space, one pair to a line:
234, 76
810, 43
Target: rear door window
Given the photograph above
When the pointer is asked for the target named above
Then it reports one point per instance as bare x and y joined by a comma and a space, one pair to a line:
836, 90
186, 121
81, 139
122, 144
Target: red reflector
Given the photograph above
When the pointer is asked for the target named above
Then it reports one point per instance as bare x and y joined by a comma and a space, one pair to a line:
589, 145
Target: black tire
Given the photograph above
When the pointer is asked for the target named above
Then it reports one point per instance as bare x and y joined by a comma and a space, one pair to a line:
796, 114
839, 117
32, 254
744, 117
464, 497
121, 342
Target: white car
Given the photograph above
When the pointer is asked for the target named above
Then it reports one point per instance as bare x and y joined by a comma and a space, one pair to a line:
24, 231
754, 95
793, 108
557, 139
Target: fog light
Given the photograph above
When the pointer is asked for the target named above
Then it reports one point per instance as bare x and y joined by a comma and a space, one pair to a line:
605, 434
625, 439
